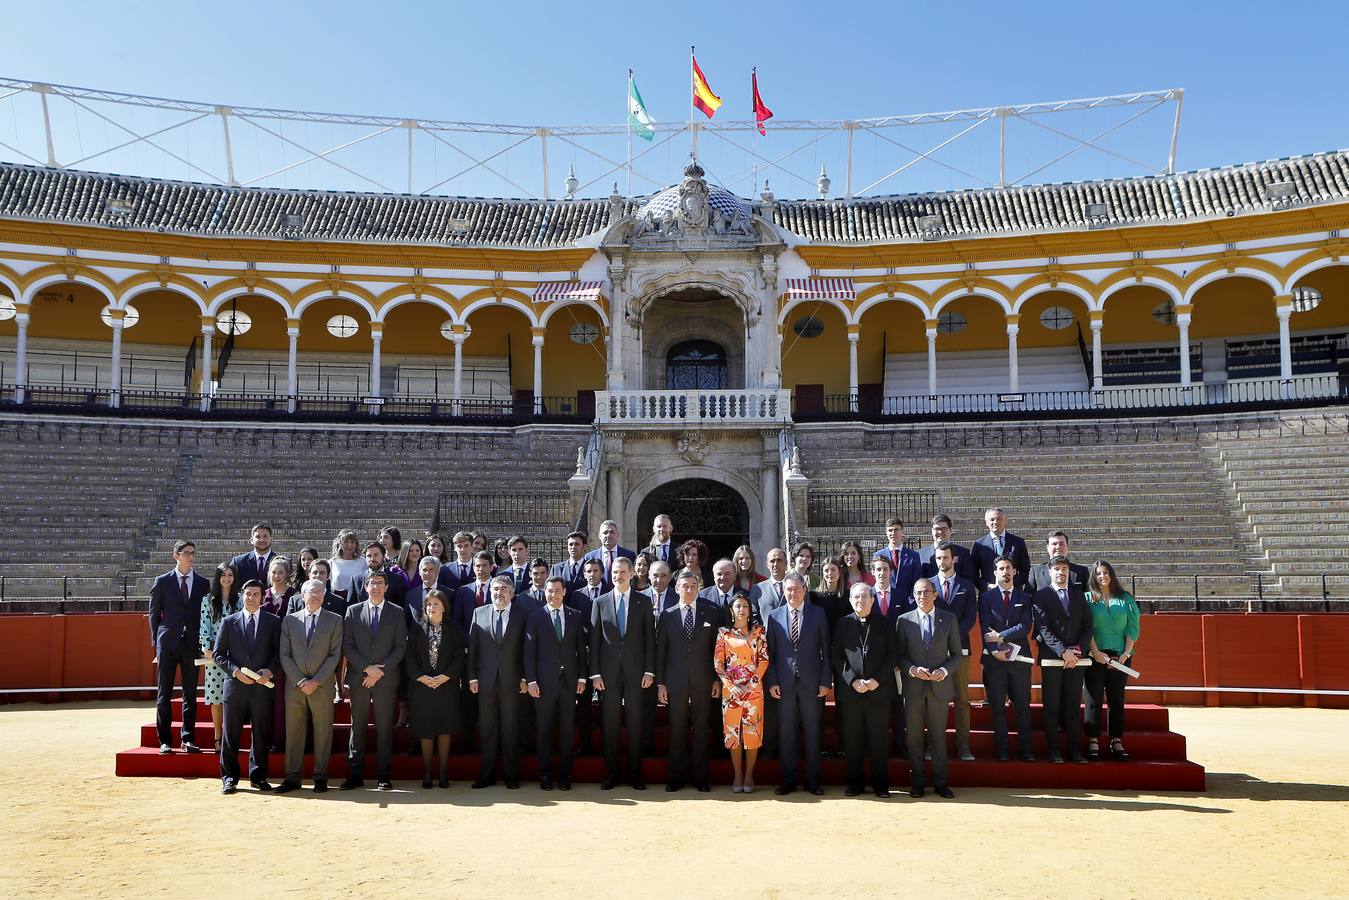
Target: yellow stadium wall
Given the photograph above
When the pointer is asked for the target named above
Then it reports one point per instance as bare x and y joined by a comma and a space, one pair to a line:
491, 325
569, 367
817, 360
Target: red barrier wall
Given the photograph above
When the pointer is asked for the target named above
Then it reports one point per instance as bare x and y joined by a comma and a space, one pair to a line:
1176, 650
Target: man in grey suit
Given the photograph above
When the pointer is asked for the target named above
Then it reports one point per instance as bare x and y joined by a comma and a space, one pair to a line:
622, 665
311, 648
374, 639
928, 651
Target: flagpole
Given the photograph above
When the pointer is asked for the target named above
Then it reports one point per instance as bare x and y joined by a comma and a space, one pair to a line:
754, 161
693, 91
628, 100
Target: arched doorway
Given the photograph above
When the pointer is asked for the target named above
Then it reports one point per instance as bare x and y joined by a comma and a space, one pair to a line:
700, 508
696, 365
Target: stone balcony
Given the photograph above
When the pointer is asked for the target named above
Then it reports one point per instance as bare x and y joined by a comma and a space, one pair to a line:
719, 408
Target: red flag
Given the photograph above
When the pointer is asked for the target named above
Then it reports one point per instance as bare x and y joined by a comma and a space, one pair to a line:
761, 112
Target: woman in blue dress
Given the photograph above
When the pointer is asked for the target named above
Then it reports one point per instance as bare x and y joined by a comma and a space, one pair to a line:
222, 601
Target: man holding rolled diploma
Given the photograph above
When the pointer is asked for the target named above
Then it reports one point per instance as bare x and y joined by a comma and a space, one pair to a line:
247, 648
958, 597
1063, 626
1005, 621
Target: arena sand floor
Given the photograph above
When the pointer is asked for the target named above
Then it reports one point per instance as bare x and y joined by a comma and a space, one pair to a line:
1274, 822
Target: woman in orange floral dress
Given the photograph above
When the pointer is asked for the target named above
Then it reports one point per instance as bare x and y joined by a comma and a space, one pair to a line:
741, 660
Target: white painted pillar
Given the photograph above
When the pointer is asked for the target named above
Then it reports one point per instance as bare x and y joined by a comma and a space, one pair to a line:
1013, 376
292, 376
459, 334
1284, 310
772, 532
115, 379
536, 339
1183, 324
21, 353
1097, 370
376, 337
616, 494
931, 357
854, 335
207, 338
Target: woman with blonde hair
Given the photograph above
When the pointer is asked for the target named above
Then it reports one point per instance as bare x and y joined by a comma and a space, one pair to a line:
346, 565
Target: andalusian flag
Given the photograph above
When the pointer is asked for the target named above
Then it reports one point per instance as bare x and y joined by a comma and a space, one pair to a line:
703, 98
639, 120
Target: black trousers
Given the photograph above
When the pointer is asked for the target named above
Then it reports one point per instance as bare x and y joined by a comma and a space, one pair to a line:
1003, 679
866, 723
468, 717
499, 715
799, 710
650, 703
585, 720
555, 713
1105, 685
384, 697
252, 704
689, 708
621, 707
771, 732
173, 661
1062, 692
899, 734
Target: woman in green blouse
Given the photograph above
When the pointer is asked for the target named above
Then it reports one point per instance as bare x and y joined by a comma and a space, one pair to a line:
1114, 615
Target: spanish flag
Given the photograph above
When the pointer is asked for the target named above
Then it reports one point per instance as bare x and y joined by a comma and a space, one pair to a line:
703, 98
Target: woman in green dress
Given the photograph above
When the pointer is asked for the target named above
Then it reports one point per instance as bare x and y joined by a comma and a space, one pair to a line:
1114, 615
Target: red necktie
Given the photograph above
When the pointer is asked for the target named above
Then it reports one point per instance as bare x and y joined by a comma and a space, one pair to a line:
883, 596
946, 591
1006, 602
894, 555
481, 599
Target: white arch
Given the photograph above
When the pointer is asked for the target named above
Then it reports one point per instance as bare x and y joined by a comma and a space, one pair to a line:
797, 301
1308, 269
1165, 287
1064, 286
139, 289
13, 288
637, 493
315, 298
1239, 272
883, 298
951, 298
219, 302
59, 278
493, 301
410, 297
562, 304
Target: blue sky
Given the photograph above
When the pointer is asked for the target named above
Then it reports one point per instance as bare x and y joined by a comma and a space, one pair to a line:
1261, 80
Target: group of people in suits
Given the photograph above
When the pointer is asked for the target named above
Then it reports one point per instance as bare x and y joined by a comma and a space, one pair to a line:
523, 650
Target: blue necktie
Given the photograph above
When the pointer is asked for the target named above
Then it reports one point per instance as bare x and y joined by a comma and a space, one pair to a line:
1063, 598
251, 631
374, 621
927, 631
622, 615
309, 632
496, 629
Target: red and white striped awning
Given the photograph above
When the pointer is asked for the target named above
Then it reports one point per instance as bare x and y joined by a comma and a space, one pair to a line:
551, 291
820, 289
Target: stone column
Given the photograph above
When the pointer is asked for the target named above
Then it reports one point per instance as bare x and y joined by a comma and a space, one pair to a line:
1183, 313
1013, 376
931, 332
459, 334
21, 352
772, 531
1284, 310
854, 335
536, 339
292, 376
207, 367
616, 491
1097, 323
376, 337
115, 380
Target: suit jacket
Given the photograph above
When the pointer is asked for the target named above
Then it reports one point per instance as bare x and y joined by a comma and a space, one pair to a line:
1056, 630
563, 570
316, 658
984, 555
902, 576
393, 577
807, 661
246, 564
630, 656
667, 599
466, 602
449, 656
556, 663
895, 606
598, 553
964, 605
713, 595
414, 601
173, 617
964, 561
233, 653
943, 652
450, 579
334, 603
493, 663
1013, 625
671, 547
763, 598
385, 648
855, 658
1039, 577
519, 577
686, 665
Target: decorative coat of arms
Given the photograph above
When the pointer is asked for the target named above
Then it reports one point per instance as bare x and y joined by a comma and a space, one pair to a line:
692, 447
693, 200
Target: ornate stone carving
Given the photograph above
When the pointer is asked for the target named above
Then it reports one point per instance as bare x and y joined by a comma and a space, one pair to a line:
692, 447
693, 200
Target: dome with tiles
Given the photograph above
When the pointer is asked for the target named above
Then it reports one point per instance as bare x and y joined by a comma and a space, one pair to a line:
718, 198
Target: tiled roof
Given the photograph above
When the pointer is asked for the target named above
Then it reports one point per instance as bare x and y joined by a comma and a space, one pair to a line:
74, 197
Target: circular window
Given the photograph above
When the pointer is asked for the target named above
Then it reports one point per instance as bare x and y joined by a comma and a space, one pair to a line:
232, 321
7, 309
130, 319
1056, 318
584, 333
1306, 299
950, 322
808, 327
1165, 312
342, 326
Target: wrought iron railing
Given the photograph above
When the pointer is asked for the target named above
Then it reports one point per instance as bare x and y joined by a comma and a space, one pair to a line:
868, 510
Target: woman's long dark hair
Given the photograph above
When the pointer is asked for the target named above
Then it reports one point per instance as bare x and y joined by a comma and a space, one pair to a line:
298, 573
1116, 589
217, 605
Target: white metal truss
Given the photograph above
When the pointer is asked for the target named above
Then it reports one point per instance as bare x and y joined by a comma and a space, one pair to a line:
453, 134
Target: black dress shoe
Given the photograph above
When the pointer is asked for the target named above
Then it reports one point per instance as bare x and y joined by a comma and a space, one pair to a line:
482, 783
852, 792
426, 782
816, 791
1056, 759
384, 785
916, 793
352, 782
704, 787
546, 784
672, 787
189, 747
444, 782
883, 793
227, 787
512, 784
638, 784
165, 749
1002, 756
1028, 757
783, 790
1079, 758
946, 793
320, 785
263, 786
564, 784
607, 784
287, 786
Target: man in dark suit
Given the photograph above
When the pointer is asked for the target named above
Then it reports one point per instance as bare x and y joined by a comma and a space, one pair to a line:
863, 657
518, 570
248, 642
311, 649
888, 605
768, 594
1006, 621
428, 580
583, 600
661, 592
960, 598
905, 566
570, 569
469, 597
609, 549
723, 589
374, 639
1063, 631
686, 679
375, 561
998, 542
928, 642
555, 670
661, 547
252, 566
459, 571
496, 651
175, 619
622, 665
1057, 545
941, 531
798, 677
536, 592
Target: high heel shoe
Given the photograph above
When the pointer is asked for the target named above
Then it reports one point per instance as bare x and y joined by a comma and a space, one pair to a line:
1093, 751
426, 781
444, 782
1117, 751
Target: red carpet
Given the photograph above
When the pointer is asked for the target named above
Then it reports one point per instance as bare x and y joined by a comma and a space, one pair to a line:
1158, 760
